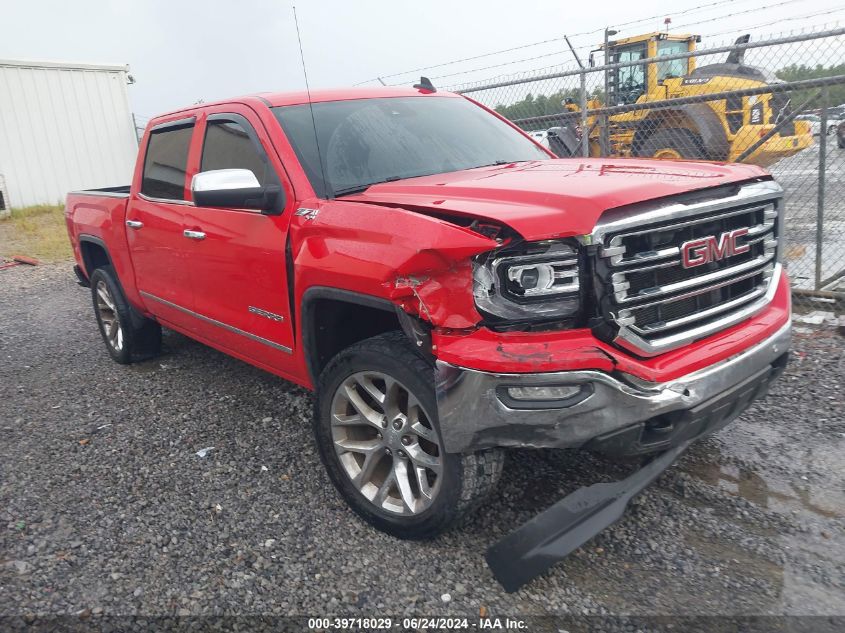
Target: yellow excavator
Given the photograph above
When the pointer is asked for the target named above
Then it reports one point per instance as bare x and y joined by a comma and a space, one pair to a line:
721, 129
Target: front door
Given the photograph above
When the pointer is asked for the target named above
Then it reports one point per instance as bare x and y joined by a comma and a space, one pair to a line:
237, 257
154, 225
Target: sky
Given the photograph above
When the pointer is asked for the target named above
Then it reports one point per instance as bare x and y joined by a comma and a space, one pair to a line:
183, 51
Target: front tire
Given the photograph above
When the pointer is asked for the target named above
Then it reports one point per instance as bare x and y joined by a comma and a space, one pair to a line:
128, 336
672, 143
377, 433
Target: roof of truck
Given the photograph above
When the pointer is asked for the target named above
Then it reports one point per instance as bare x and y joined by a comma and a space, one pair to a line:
274, 99
343, 94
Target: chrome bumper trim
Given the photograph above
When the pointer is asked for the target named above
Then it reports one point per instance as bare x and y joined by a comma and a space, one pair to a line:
472, 416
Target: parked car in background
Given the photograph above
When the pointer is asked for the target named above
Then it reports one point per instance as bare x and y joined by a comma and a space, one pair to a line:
541, 136
448, 288
815, 122
837, 112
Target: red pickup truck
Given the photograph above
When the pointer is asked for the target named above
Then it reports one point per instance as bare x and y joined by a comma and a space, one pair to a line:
449, 288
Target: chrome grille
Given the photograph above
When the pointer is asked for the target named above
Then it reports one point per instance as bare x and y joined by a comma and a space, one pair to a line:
654, 301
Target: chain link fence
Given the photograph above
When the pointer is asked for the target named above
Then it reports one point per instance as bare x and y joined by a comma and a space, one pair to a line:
777, 102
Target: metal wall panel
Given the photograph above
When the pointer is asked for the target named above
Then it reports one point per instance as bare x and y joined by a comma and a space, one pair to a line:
63, 127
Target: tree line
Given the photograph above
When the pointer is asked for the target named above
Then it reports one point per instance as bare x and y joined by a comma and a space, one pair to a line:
798, 72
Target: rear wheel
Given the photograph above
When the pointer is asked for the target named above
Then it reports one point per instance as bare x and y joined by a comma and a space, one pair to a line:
128, 336
378, 435
675, 143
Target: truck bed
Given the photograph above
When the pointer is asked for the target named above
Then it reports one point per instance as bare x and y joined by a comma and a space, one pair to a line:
96, 218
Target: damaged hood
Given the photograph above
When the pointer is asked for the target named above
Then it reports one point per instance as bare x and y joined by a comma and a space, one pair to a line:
554, 198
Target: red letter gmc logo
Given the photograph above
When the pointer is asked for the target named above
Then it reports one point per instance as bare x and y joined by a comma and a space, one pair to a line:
712, 248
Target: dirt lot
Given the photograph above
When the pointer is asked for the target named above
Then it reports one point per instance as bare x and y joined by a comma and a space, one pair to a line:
105, 507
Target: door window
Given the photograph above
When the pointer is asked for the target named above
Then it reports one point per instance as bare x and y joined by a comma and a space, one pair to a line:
166, 162
231, 143
630, 79
674, 67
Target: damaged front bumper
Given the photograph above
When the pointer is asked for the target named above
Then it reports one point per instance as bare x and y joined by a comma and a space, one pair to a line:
613, 413
553, 534
708, 400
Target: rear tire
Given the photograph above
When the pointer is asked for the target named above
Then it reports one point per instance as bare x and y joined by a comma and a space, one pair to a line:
377, 433
128, 336
672, 143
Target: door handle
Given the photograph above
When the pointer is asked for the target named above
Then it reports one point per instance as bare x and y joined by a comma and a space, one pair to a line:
134, 224
193, 235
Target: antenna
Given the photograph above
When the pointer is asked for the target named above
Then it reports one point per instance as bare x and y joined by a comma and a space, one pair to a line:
311, 108
425, 85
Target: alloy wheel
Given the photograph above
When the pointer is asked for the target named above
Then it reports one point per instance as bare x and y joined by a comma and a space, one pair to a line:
386, 443
109, 318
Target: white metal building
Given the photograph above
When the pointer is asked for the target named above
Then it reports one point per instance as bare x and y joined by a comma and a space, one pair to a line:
63, 127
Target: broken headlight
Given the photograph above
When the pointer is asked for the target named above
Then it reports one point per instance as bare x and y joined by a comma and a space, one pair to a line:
535, 281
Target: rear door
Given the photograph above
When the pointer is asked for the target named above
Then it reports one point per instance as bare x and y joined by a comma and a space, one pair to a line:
155, 223
237, 268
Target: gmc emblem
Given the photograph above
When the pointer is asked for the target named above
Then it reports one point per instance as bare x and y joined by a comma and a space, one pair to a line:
712, 248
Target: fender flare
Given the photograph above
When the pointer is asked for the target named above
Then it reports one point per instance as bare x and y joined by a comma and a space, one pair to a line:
135, 315
705, 121
307, 307
91, 239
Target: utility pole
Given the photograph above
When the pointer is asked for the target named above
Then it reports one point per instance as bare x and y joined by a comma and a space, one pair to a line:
604, 136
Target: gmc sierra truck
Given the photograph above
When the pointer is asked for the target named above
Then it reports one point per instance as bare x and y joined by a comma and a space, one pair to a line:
449, 289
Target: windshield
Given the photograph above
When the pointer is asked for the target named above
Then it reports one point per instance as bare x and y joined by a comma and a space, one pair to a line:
366, 141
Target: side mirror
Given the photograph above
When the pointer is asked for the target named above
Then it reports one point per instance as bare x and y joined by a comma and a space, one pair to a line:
234, 189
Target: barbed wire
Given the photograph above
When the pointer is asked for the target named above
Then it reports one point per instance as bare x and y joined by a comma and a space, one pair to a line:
528, 75
733, 14
778, 21
558, 39
586, 47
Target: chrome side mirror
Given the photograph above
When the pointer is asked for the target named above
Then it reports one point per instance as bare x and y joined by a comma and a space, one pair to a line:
234, 189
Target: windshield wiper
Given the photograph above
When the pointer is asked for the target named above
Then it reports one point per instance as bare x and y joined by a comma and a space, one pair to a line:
361, 188
347, 191
500, 162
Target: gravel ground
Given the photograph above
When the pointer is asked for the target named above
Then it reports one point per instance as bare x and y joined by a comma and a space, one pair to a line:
106, 507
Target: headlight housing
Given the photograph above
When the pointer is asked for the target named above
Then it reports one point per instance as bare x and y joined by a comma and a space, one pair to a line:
537, 281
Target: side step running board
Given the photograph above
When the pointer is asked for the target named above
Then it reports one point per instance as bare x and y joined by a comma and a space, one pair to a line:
553, 534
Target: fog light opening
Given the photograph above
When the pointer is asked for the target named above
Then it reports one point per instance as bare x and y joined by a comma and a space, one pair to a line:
548, 392
543, 396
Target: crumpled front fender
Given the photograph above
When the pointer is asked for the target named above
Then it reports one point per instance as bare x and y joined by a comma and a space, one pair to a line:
419, 262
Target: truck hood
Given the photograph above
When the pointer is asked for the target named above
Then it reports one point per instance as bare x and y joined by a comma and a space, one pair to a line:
554, 198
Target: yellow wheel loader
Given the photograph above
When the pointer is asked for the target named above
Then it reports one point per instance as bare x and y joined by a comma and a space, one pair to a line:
720, 129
